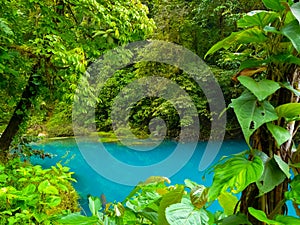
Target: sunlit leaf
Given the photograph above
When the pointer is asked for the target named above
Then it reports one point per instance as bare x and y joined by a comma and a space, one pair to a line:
235, 174
289, 110
261, 216
76, 219
287, 220
228, 202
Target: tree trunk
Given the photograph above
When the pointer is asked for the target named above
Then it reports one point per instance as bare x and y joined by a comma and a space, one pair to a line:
273, 202
18, 117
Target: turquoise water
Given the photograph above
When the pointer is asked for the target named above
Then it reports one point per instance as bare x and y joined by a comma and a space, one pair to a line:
90, 182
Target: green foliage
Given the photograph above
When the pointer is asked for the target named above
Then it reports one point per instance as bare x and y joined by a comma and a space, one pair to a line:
47, 45
235, 174
279, 220
32, 195
267, 111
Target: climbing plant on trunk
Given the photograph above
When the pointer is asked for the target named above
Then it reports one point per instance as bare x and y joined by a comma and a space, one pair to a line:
268, 47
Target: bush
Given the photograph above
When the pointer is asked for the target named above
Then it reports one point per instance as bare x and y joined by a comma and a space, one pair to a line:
32, 195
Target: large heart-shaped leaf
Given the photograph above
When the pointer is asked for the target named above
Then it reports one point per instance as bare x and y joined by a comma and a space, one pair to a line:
181, 213
259, 18
251, 35
271, 177
261, 89
280, 134
235, 174
251, 114
292, 31
289, 110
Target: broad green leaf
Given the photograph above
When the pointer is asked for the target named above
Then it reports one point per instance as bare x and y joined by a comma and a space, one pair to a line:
235, 174
279, 219
258, 18
129, 217
168, 199
283, 166
272, 176
261, 216
261, 89
43, 185
251, 35
235, 219
287, 220
94, 204
289, 110
50, 190
251, 114
181, 213
292, 31
295, 9
280, 134
76, 219
198, 196
228, 203
273, 4
53, 201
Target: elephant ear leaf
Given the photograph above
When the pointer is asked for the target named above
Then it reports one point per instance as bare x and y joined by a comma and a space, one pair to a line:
251, 35
292, 32
251, 113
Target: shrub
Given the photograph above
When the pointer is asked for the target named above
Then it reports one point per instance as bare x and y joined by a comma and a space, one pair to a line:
32, 195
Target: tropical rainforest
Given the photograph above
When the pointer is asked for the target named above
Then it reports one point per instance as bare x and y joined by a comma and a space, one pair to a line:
252, 47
